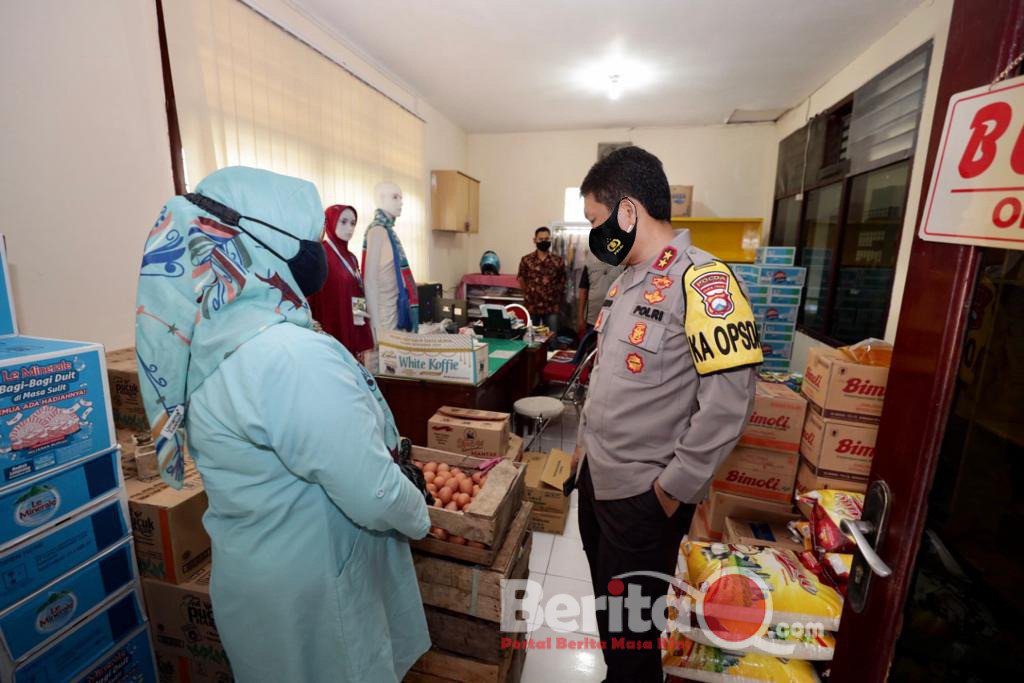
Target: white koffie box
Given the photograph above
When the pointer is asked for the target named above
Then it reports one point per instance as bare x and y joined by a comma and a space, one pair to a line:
54, 405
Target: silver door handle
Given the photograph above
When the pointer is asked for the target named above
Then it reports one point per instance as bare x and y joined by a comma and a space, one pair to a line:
857, 529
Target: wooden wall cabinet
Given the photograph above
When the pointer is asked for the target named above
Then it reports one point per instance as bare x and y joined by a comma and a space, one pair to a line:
454, 202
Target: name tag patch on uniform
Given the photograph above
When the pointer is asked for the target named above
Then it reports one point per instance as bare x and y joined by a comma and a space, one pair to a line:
655, 297
638, 334
635, 363
655, 314
719, 323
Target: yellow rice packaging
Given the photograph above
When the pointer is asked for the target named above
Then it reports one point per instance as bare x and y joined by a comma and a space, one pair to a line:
695, 662
797, 595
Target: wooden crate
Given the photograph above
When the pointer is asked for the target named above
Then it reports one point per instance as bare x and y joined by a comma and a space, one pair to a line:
475, 590
438, 666
487, 519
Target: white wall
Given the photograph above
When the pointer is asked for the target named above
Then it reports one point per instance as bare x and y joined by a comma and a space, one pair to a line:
930, 21
85, 165
523, 176
445, 149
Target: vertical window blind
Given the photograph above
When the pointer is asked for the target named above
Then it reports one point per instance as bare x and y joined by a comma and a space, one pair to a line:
249, 93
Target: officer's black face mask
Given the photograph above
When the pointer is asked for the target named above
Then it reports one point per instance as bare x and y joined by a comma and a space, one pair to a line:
308, 266
610, 242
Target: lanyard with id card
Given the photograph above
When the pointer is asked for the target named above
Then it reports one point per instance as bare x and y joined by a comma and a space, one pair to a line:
359, 314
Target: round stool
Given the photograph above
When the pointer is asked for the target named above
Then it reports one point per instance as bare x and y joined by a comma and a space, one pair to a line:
538, 411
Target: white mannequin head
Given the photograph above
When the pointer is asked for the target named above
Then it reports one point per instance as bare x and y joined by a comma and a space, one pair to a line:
389, 199
346, 225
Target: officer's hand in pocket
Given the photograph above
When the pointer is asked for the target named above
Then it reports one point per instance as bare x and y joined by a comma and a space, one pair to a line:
668, 503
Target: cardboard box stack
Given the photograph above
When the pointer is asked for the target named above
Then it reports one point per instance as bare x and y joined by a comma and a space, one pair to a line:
756, 481
545, 475
71, 604
838, 442
775, 287
480, 433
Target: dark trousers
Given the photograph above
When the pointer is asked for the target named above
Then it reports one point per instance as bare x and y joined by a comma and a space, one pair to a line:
628, 535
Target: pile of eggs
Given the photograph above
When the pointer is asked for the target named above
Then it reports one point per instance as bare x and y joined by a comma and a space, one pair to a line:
452, 490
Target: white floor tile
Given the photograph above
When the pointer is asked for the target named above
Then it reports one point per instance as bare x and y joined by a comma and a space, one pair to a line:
541, 553
572, 524
580, 591
568, 559
574, 501
563, 665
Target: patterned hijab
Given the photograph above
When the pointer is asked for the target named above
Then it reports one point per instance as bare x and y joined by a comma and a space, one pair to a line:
206, 288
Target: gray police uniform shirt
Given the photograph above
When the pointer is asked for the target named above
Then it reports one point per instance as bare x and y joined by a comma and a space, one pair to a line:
600, 277
649, 414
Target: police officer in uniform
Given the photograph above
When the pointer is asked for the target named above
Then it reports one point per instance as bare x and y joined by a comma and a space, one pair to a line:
671, 391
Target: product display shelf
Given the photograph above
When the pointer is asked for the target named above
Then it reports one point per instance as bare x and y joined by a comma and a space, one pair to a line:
499, 290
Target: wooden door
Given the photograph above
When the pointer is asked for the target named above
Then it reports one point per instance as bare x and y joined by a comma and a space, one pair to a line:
984, 37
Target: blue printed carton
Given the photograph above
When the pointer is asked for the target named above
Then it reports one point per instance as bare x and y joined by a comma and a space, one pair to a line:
776, 364
47, 556
54, 406
776, 314
44, 501
785, 296
41, 617
779, 337
130, 660
748, 273
8, 321
792, 276
88, 646
776, 349
778, 328
775, 256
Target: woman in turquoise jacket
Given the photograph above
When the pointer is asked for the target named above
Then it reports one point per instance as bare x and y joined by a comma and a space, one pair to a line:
309, 515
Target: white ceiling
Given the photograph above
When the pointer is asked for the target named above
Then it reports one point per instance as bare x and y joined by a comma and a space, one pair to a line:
502, 65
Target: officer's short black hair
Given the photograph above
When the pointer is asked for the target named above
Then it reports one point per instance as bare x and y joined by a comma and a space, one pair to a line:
630, 171
541, 229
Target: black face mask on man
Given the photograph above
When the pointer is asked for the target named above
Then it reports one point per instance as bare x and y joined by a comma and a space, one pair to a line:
544, 245
308, 266
609, 242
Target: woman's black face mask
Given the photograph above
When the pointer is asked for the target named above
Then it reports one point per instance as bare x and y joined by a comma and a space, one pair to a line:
308, 266
610, 242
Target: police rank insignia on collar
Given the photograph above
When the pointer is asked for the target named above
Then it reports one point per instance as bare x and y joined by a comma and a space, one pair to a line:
613, 291
668, 256
719, 321
662, 282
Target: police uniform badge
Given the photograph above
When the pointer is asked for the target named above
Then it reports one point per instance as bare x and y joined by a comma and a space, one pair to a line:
719, 321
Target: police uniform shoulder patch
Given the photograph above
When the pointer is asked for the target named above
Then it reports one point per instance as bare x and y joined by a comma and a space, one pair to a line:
719, 321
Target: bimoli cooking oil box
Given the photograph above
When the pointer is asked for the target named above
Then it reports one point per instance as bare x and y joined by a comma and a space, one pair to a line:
54, 408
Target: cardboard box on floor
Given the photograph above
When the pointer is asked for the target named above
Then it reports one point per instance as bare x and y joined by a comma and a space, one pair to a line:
835, 448
840, 388
480, 433
183, 623
125, 396
776, 420
545, 475
170, 541
757, 473
809, 478
772, 532
173, 668
721, 505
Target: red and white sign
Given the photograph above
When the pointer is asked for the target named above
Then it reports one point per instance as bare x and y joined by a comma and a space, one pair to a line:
977, 190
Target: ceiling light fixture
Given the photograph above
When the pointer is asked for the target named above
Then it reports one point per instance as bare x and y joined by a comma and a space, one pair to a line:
615, 75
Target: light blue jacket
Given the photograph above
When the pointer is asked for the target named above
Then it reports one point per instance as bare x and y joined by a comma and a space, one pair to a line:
312, 580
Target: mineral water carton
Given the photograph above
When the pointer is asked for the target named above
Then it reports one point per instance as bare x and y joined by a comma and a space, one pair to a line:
130, 660
89, 645
42, 616
775, 256
54, 406
45, 557
44, 501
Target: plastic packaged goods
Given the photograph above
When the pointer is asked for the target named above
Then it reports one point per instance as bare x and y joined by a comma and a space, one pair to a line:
809, 645
874, 352
696, 662
837, 568
797, 595
831, 507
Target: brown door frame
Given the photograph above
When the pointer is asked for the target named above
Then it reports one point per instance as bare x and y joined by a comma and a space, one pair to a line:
928, 345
